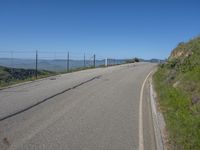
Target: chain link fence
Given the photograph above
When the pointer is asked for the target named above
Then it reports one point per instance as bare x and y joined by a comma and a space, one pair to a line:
54, 61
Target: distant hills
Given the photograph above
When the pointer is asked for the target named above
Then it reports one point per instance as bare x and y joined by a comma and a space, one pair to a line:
153, 60
59, 65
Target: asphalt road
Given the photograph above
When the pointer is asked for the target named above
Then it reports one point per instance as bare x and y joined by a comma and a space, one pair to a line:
95, 109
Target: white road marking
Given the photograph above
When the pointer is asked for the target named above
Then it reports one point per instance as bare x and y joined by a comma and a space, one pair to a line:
141, 140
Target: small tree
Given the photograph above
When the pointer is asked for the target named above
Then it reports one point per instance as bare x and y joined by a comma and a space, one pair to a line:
136, 59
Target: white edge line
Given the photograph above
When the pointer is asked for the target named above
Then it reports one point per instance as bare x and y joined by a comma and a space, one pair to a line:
141, 140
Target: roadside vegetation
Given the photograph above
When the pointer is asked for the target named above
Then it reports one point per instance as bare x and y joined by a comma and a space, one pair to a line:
9, 76
177, 83
134, 60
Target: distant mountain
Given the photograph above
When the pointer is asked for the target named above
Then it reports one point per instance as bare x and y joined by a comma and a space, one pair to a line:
153, 60
60, 65
53, 65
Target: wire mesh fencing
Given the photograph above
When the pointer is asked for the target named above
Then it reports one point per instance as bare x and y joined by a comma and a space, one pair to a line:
58, 61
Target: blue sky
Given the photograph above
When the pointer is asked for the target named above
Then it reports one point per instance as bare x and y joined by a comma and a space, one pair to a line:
108, 28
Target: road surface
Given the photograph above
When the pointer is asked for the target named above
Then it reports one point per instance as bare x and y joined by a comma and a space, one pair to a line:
97, 109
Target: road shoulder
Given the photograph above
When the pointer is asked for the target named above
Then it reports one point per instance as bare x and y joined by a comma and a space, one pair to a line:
158, 119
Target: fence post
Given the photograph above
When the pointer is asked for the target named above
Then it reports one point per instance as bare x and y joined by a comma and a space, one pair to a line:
36, 64
67, 61
106, 62
12, 59
94, 60
12, 66
84, 60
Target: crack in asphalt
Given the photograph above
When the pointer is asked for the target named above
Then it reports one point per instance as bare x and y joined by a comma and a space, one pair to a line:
48, 98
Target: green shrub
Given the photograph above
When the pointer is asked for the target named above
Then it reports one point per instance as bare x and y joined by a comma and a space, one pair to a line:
182, 118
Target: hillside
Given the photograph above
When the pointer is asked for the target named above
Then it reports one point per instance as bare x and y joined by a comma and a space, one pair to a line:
177, 83
184, 68
14, 75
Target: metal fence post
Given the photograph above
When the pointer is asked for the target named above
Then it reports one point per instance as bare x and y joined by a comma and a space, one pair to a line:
36, 64
67, 61
84, 61
12, 66
94, 60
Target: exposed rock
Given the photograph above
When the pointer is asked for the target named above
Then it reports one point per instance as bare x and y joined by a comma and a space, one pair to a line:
176, 84
180, 51
195, 100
